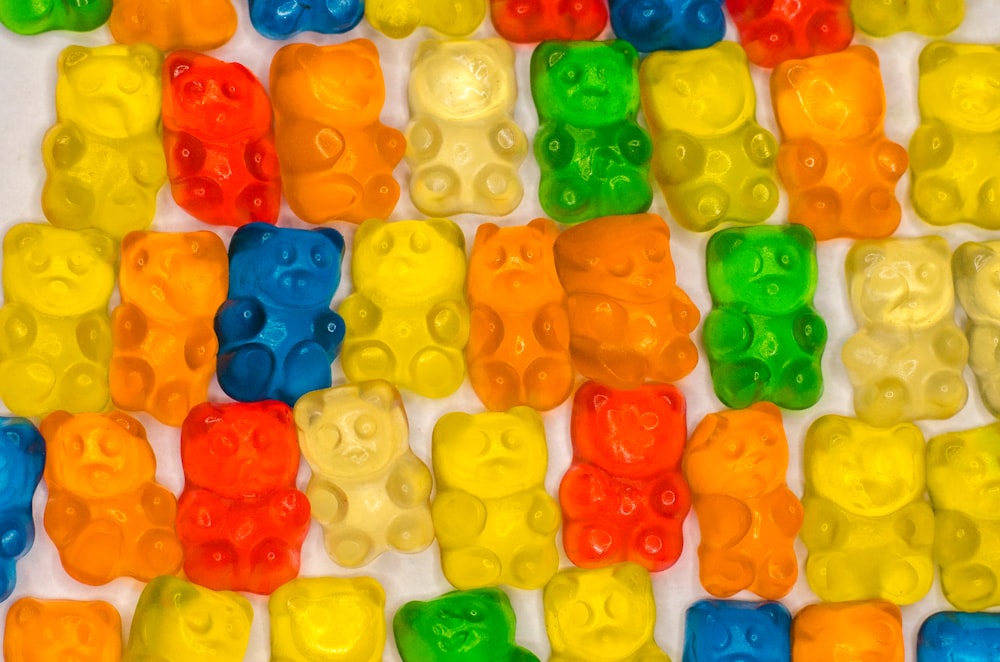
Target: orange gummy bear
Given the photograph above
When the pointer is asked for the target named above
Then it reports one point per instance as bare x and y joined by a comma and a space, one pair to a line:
47, 630
198, 25
836, 631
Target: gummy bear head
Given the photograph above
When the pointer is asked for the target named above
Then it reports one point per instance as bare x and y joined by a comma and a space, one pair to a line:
512, 268
963, 471
58, 272
44, 630
586, 84
460, 626
737, 630
463, 80
22, 457
977, 279
959, 86
863, 630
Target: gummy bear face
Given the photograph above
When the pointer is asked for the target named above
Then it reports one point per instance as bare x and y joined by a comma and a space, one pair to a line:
461, 625
977, 279
959, 85
735, 630
44, 630
463, 80
967, 464
515, 264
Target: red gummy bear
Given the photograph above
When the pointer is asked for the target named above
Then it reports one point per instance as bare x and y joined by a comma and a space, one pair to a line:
530, 21
624, 498
240, 519
219, 141
772, 32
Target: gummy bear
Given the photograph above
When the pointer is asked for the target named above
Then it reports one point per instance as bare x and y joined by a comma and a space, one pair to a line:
336, 156
56, 341
178, 620
277, 333
31, 17
907, 358
368, 490
461, 626
976, 267
949, 636
714, 162
868, 526
463, 146
883, 18
219, 141
104, 156
518, 350
169, 25
668, 25
240, 519
594, 157
834, 632
328, 618
764, 339
172, 284
839, 168
773, 32
399, 18
106, 514
735, 463
62, 630
494, 521
955, 177
530, 21
280, 19
407, 320
624, 498
22, 458
629, 322
722, 630
605, 614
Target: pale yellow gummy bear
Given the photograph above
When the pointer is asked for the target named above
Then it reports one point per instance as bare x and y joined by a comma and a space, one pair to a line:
977, 284
398, 18
882, 18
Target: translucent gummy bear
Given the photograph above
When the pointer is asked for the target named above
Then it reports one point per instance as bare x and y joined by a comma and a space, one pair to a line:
868, 526
833, 632
735, 463
56, 340
629, 322
22, 456
29, 17
772, 32
277, 334
407, 320
594, 157
955, 179
219, 141
624, 498
721, 630
977, 271
368, 490
336, 156
240, 519
280, 19
714, 162
462, 626
399, 18
605, 614
882, 18
835, 161
530, 21
172, 284
494, 521
668, 25
518, 350
104, 158
169, 25
178, 620
906, 360
49, 630
462, 144
328, 618
764, 339
106, 513
951, 636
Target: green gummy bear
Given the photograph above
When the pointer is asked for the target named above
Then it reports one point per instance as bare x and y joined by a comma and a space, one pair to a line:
29, 17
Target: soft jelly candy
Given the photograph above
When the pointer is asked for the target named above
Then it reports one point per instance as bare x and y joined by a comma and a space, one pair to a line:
407, 320
772, 32
56, 341
32, 17
839, 168
906, 360
177, 620
722, 630
886, 17
624, 498
199, 25
494, 521
399, 18
605, 614
529, 21
277, 334
834, 632
868, 526
950, 636
668, 25
594, 157
518, 350
172, 284
328, 618
977, 272
629, 322
463, 146
280, 19
735, 463
240, 519
219, 141
106, 514
461, 626
63, 630
22, 457
368, 490
714, 162
336, 156
764, 339
104, 156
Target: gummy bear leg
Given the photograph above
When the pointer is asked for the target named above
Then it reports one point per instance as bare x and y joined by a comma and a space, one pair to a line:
548, 381
272, 563
496, 383
93, 556
368, 360
877, 213
126, 210
246, 372
741, 383
381, 196
213, 565
628, 193
498, 189
835, 577
8, 578
937, 200
411, 531
393, 18
706, 22
759, 199
656, 548
705, 207
84, 387
820, 210
946, 393
307, 368
471, 567
533, 566
171, 403
16, 534
68, 203
26, 387
800, 385
349, 547
345, 14
158, 552
566, 198
883, 403
436, 373
435, 190
989, 204
199, 196
905, 581
776, 576
131, 381
724, 573
942, 16
970, 587
592, 545
678, 358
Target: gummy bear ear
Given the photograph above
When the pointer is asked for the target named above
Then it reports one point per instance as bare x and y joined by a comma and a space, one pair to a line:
632, 575
935, 54
970, 257
449, 230
22, 236
178, 63
309, 407
72, 56
380, 393
862, 256
103, 245
797, 75
549, 53
51, 423
25, 610
127, 423
335, 238
706, 429
866, 53
367, 230
484, 234
723, 244
803, 236
370, 588
250, 236
146, 57
546, 227
626, 50
107, 614
777, 613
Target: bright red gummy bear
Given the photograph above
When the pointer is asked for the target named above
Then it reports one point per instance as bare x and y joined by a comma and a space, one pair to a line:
240, 519
624, 498
529, 21
774, 31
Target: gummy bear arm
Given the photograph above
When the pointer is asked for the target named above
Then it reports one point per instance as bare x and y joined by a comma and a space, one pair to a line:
786, 512
727, 330
952, 529
327, 501
634, 143
290, 508
891, 159
554, 146
586, 490
448, 322
409, 483
680, 157
950, 344
93, 336
329, 331
159, 504
240, 319
201, 515
915, 525
685, 314
820, 518
65, 516
509, 141
458, 517
760, 145
801, 162
815, 338
321, 145
17, 526
147, 163
262, 159
127, 327
360, 314
391, 144
17, 330
423, 139
544, 516
65, 143
724, 520
931, 146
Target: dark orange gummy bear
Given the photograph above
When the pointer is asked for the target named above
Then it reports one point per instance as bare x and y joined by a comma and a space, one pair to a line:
835, 631
64, 630
199, 25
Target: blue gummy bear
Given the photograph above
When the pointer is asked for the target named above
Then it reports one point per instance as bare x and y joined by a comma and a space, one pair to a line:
280, 19
951, 636
668, 25
717, 630
22, 459
277, 333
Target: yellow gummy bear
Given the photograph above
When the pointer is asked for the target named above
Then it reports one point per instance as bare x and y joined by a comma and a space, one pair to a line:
398, 18
882, 18
867, 525
977, 273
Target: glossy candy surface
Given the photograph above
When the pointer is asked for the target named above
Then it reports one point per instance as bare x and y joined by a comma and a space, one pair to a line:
668, 25
169, 25
279, 19
976, 266
31, 17
882, 18
721, 630
62, 630
950, 636
594, 157
833, 632
277, 334
529, 21
772, 32
399, 18
22, 457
